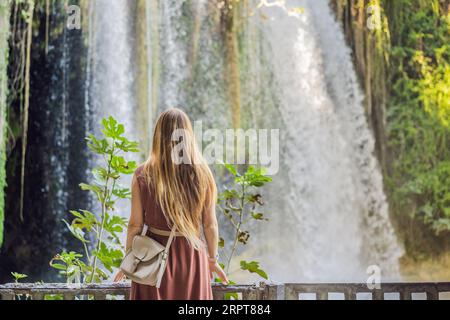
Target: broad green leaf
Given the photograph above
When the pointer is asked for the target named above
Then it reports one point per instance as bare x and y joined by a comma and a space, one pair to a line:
232, 169
76, 232
58, 266
18, 276
231, 296
258, 216
112, 129
126, 145
123, 193
253, 267
93, 188
84, 220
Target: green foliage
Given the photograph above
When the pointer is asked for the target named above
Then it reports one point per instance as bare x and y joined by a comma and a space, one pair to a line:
18, 276
253, 267
240, 204
99, 233
53, 297
419, 111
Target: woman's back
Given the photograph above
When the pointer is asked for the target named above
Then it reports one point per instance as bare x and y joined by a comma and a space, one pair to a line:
153, 215
175, 189
187, 272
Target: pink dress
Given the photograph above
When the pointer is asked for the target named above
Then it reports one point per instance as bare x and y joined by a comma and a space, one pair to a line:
187, 272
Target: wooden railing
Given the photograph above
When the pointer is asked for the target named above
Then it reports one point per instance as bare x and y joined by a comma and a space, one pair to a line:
357, 291
263, 291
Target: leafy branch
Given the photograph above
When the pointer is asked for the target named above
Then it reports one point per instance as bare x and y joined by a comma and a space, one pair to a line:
104, 228
241, 204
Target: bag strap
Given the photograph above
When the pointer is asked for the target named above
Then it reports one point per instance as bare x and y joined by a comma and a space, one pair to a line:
144, 229
165, 254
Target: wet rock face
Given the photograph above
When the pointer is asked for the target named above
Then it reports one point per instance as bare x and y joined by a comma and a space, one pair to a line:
370, 64
57, 158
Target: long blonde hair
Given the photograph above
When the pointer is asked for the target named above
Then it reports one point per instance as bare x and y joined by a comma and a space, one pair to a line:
183, 190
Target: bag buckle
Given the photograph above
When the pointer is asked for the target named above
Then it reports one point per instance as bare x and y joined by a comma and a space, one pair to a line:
144, 230
164, 255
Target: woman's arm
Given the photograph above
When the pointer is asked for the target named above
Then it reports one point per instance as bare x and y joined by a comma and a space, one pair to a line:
211, 231
136, 222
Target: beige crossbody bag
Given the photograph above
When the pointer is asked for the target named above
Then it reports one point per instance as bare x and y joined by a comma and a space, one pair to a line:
146, 260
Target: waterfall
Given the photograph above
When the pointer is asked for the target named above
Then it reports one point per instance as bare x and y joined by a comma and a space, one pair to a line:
111, 92
111, 74
335, 221
329, 218
187, 60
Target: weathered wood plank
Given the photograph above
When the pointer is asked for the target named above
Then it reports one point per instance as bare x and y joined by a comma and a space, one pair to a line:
69, 296
322, 295
250, 294
37, 296
218, 295
272, 291
7, 296
405, 295
349, 294
100, 295
290, 292
432, 294
378, 294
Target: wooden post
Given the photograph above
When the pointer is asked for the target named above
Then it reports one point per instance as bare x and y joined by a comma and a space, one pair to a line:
349, 294
69, 296
250, 294
99, 295
290, 293
273, 291
322, 295
405, 294
7, 296
37, 295
217, 295
432, 294
377, 294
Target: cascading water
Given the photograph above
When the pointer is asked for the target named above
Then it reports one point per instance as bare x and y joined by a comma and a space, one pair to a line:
328, 213
111, 90
335, 222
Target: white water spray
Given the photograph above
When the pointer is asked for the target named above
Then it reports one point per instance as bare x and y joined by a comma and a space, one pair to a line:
335, 221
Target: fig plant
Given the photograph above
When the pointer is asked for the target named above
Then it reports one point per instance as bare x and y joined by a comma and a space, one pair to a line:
100, 233
241, 203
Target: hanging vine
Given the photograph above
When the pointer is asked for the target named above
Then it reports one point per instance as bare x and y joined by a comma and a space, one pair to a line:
4, 52
29, 19
230, 24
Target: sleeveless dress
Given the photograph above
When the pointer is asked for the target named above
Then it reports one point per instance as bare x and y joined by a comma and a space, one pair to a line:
187, 272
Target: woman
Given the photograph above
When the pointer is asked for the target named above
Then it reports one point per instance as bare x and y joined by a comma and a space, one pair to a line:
168, 192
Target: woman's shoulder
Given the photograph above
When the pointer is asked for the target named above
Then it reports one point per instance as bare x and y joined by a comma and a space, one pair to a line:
139, 173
